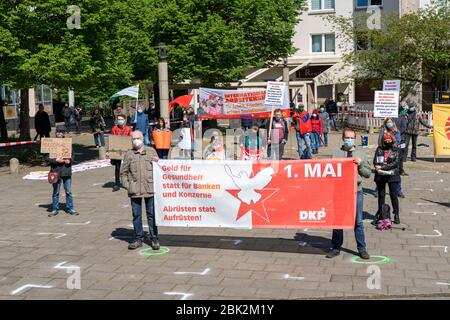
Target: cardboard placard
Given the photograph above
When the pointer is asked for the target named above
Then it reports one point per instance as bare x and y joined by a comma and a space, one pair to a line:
57, 147
118, 146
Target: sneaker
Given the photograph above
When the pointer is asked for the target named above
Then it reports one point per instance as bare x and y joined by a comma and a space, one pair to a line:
401, 195
155, 245
115, 188
364, 255
53, 213
333, 253
72, 212
135, 244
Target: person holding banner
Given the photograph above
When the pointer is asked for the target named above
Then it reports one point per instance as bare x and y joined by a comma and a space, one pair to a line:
279, 136
348, 150
63, 168
303, 129
137, 177
120, 129
387, 166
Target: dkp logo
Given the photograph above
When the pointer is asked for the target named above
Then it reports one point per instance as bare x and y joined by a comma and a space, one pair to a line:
74, 21
74, 281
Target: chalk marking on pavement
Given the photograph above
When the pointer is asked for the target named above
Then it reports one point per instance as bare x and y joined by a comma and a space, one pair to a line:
203, 273
430, 235
420, 189
78, 223
316, 231
60, 265
125, 206
131, 226
183, 294
434, 213
59, 235
443, 283
121, 237
445, 247
426, 204
288, 277
236, 242
29, 286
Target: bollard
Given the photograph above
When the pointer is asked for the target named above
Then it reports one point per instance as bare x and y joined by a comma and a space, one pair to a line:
101, 153
14, 166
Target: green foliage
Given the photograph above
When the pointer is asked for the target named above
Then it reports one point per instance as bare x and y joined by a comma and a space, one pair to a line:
30, 156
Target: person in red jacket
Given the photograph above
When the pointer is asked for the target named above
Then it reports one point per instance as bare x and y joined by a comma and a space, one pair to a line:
303, 129
120, 129
316, 134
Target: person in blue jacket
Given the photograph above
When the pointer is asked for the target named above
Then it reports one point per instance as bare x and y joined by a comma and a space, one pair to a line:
140, 123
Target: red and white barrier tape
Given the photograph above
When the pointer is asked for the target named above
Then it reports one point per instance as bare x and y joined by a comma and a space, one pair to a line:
10, 144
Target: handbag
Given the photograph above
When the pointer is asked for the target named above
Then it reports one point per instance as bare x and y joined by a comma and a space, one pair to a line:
53, 177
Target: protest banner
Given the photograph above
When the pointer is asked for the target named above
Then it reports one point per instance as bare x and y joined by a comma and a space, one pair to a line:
118, 146
391, 85
233, 104
441, 129
57, 147
386, 104
245, 194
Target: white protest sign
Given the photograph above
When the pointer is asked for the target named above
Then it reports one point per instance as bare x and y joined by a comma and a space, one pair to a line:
386, 104
275, 93
391, 85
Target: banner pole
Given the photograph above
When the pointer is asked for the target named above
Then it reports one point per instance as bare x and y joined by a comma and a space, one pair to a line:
271, 122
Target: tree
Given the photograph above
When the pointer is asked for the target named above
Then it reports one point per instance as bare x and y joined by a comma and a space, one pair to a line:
413, 48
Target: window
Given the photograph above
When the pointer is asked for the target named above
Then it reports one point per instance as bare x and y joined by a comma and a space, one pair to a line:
367, 3
321, 43
317, 5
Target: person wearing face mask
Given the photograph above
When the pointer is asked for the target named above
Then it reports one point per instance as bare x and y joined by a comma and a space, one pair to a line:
387, 164
389, 126
412, 130
303, 129
316, 133
252, 146
279, 135
141, 124
120, 129
325, 124
161, 126
348, 150
137, 177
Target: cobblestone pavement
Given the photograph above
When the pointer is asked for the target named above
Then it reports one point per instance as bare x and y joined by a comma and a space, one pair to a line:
204, 263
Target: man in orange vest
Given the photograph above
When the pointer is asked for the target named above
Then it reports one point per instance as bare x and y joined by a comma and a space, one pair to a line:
303, 129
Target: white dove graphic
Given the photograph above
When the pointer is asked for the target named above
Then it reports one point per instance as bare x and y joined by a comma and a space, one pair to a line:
249, 185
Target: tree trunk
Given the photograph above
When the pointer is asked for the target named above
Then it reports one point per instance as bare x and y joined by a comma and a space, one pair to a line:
24, 116
3, 129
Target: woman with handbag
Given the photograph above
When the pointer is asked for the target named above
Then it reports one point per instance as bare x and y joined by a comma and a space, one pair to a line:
98, 126
387, 171
61, 174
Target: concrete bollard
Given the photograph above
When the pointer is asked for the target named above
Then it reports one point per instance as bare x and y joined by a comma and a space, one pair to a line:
14, 166
101, 153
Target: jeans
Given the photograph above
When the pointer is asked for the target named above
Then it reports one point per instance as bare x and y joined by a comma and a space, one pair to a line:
325, 138
381, 186
338, 234
146, 138
101, 136
307, 139
68, 189
315, 140
333, 122
67, 124
136, 207
409, 137
278, 151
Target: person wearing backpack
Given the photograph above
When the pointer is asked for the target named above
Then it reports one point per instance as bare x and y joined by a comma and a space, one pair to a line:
387, 171
348, 150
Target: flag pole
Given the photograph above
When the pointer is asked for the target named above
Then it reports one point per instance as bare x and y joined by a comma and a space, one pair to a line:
137, 102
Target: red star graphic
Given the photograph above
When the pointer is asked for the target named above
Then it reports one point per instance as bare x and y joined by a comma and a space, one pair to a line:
257, 208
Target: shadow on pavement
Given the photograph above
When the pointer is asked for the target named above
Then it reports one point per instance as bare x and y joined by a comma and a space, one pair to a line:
428, 159
301, 242
445, 204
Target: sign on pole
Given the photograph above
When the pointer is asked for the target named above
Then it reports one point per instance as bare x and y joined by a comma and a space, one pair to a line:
275, 93
391, 85
386, 104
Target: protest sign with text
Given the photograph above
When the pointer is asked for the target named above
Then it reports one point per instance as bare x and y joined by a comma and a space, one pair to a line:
386, 104
57, 147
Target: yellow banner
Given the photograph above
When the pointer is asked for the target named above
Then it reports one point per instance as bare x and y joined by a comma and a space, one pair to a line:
441, 126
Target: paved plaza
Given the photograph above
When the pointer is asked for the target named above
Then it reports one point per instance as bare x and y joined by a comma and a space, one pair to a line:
37, 252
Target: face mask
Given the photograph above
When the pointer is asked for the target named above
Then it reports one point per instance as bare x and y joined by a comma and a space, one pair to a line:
137, 144
389, 125
314, 116
121, 122
412, 109
277, 117
301, 109
349, 143
140, 110
321, 109
388, 143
